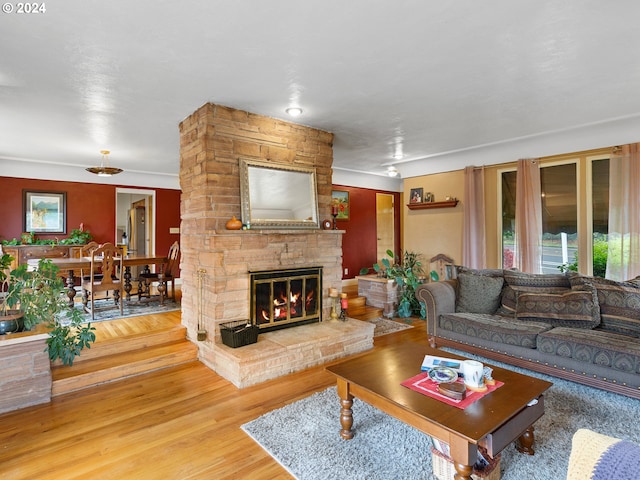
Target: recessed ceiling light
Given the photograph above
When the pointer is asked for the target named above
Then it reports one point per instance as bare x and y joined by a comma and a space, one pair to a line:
294, 111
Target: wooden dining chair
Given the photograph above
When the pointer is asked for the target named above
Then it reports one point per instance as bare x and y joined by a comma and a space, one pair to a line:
104, 276
85, 251
167, 274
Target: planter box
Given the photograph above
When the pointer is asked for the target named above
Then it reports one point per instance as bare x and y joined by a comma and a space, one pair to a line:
380, 292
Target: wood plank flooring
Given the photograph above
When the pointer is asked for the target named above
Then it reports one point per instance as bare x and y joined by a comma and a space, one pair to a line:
178, 423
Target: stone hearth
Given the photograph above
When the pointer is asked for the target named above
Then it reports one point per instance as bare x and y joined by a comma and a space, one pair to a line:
286, 351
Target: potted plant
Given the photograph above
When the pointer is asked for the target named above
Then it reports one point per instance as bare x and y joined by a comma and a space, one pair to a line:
40, 295
10, 318
407, 274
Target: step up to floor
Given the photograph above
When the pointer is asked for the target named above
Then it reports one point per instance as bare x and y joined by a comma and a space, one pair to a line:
131, 342
114, 367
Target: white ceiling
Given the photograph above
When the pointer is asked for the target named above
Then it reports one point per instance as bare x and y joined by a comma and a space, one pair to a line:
434, 79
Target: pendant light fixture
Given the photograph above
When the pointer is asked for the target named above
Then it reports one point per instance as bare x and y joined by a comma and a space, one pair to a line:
104, 170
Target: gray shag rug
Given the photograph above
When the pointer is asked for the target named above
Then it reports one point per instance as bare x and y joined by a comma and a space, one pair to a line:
303, 436
385, 326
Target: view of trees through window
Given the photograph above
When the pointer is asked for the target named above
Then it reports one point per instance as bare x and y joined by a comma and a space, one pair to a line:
559, 197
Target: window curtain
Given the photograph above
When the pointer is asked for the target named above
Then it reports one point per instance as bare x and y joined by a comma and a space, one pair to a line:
473, 236
623, 255
528, 228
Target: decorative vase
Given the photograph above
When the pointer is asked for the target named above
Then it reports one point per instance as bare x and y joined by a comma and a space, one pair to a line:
234, 224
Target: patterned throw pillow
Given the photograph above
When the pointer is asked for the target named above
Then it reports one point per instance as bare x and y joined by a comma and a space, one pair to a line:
517, 282
575, 308
478, 293
619, 302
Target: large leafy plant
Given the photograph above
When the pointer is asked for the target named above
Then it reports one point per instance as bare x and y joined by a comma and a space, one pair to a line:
408, 274
40, 294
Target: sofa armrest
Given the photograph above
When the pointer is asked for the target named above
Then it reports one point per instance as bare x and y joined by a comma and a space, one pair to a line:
438, 298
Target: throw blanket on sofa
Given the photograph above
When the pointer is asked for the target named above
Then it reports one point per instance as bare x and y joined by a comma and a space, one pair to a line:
598, 457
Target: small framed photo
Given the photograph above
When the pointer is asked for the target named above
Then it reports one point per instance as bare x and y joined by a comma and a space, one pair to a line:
416, 195
428, 197
44, 212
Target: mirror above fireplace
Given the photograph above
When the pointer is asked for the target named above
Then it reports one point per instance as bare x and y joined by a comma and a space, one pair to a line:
278, 196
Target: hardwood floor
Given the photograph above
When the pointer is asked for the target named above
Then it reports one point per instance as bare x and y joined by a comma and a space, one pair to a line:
178, 423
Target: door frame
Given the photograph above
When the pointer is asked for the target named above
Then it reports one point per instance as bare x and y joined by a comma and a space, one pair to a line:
150, 204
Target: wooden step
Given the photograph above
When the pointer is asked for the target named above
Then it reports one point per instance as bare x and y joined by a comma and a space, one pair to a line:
109, 368
355, 302
365, 312
128, 343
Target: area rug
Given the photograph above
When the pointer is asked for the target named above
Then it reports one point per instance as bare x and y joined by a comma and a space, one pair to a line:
384, 326
131, 309
303, 437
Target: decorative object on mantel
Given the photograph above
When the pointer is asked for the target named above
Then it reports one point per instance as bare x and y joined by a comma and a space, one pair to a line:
104, 170
233, 224
327, 224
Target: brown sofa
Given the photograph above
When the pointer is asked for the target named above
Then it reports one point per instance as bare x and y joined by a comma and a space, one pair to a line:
584, 329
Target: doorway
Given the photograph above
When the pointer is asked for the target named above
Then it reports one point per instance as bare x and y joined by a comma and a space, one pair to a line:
135, 220
385, 230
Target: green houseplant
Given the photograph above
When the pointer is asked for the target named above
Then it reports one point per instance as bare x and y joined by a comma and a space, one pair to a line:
10, 318
40, 295
407, 274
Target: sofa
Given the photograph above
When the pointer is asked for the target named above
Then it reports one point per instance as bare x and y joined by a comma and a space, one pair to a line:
581, 328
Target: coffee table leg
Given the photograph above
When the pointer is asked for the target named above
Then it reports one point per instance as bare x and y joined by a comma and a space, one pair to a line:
346, 414
524, 444
463, 472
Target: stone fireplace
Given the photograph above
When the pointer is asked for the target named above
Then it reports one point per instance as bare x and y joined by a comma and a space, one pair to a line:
285, 297
216, 262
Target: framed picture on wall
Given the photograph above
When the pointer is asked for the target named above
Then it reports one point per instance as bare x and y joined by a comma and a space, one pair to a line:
340, 204
428, 197
44, 212
416, 195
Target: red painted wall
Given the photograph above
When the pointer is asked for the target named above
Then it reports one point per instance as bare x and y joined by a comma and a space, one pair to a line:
92, 204
359, 243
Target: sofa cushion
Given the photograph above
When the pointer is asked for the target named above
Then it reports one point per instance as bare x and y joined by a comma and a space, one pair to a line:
574, 308
619, 302
478, 293
496, 328
517, 282
599, 347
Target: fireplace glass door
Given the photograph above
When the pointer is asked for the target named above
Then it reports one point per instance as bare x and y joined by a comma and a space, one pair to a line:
282, 298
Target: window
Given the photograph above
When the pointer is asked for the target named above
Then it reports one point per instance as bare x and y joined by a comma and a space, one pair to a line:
559, 216
563, 236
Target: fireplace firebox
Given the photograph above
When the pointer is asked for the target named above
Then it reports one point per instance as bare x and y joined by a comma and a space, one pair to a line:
285, 298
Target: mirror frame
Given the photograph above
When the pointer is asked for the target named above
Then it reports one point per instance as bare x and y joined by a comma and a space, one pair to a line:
245, 196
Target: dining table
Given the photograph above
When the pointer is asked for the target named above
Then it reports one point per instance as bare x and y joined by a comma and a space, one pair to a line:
71, 268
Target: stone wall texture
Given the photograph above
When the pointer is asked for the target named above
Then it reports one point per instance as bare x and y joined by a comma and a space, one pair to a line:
215, 261
26, 375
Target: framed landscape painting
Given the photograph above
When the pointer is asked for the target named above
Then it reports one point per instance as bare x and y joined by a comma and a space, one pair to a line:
45, 212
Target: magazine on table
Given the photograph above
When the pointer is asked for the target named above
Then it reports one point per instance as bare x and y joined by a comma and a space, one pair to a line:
431, 361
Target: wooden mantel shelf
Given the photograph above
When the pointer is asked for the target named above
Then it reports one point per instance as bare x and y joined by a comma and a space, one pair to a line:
420, 206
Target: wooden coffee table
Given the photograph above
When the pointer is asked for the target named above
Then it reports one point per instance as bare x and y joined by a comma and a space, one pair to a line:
497, 419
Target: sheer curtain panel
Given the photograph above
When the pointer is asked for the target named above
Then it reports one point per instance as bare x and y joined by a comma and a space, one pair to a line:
528, 228
473, 232
623, 255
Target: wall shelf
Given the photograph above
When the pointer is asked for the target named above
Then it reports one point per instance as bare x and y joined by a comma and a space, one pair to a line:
420, 206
